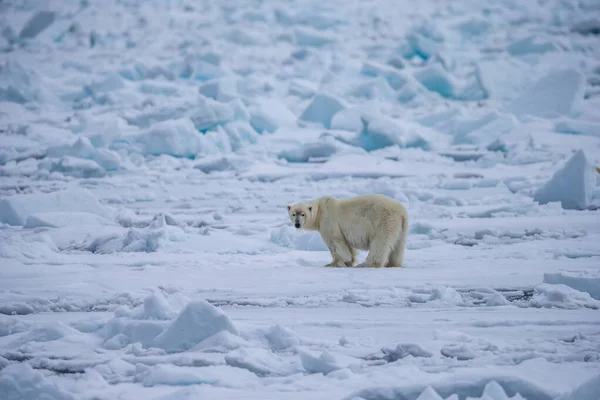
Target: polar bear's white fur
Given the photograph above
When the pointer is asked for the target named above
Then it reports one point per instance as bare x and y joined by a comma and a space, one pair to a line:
369, 222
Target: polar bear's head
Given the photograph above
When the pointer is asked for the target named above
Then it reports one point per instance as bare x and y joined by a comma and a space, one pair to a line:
301, 215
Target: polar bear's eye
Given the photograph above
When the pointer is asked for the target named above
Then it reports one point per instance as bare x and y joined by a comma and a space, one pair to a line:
294, 214
302, 214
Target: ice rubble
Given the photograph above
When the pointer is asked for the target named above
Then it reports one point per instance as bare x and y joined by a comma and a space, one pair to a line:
179, 138
171, 323
197, 321
325, 362
228, 116
322, 108
159, 233
531, 45
36, 24
560, 93
587, 283
305, 36
221, 89
491, 387
269, 115
326, 146
18, 84
561, 296
573, 185
578, 127
60, 219
422, 41
21, 381
14, 210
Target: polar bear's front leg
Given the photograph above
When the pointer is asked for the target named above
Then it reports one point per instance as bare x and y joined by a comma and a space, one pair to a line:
343, 255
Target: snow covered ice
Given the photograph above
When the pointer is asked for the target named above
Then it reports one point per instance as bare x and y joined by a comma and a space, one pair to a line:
148, 150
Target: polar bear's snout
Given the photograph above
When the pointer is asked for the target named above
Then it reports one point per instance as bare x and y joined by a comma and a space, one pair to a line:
298, 223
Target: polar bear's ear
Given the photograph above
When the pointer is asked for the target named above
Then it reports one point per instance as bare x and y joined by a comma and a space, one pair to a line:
310, 208
289, 207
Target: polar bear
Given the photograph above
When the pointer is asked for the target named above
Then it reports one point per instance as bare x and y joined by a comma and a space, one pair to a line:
371, 222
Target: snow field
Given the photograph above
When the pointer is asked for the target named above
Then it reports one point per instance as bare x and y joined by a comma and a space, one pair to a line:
148, 150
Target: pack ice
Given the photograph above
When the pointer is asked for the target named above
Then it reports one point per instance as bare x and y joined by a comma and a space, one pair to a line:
148, 150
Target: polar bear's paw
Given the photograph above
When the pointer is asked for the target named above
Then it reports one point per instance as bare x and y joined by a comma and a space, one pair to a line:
368, 265
337, 264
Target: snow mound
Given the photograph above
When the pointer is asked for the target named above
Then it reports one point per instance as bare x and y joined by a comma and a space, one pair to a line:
306, 241
561, 296
573, 185
61, 219
120, 332
20, 381
588, 390
322, 108
148, 239
156, 306
582, 283
279, 338
446, 296
560, 93
196, 322
14, 210
269, 115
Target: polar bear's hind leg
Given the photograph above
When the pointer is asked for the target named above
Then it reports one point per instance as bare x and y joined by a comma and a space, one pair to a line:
379, 250
397, 254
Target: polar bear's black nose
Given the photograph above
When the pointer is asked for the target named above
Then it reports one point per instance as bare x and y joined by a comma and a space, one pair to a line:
297, 225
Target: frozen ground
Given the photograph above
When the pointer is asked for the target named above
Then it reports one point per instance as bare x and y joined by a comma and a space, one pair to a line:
148, 150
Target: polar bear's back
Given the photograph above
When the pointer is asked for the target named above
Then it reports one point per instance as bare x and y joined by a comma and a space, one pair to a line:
380, 205
362, 217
